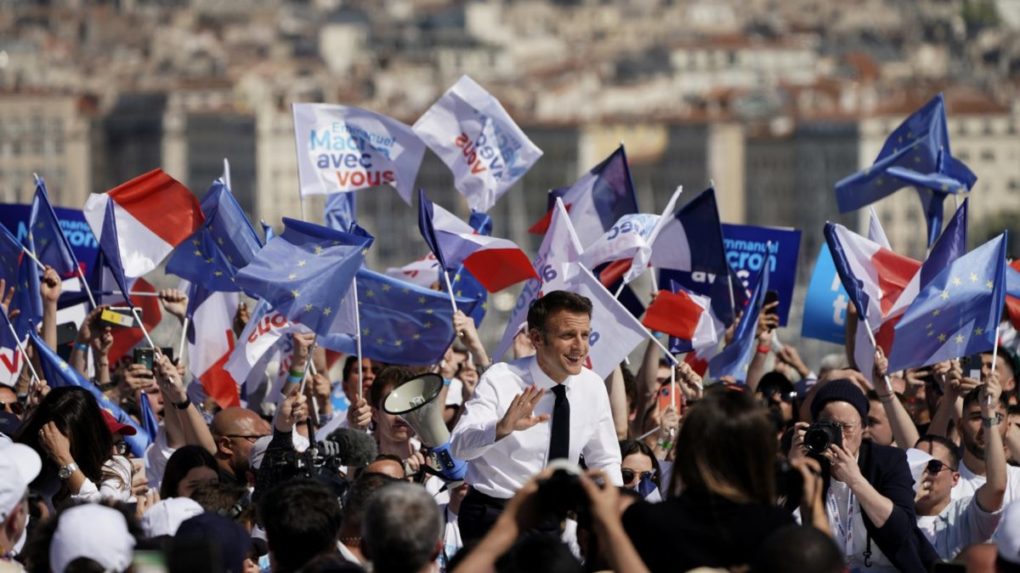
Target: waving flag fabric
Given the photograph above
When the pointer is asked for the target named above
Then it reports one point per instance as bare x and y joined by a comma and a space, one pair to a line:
559, 247
151, 214
951, 177
343, 149
597, 200
210, 342
225, 243
1013, 293
478, 140
627, 239
305, 272
341, 211
59, 374
735, 358
496, 263
401, 323
956, 314
686, 317
51, 246
692, 239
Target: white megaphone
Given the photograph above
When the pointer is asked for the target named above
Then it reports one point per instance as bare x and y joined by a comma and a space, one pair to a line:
415, 401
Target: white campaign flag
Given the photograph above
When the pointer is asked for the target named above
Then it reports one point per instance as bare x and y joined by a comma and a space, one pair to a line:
342, 148
560, 246
615, 333
478, 140
423, 272
263, 332
629, 238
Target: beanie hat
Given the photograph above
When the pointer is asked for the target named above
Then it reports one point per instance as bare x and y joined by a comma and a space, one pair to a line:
840, 391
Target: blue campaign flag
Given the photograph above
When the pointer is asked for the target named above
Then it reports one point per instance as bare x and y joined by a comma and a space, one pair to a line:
341, 211
749, 247
957, 312
51, 246
305, 272
735, 358
401, 323
825, 303
951, 177
224, 244
916, 145
59, 374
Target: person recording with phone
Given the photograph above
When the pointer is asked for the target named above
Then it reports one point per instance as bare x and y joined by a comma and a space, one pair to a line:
870, 494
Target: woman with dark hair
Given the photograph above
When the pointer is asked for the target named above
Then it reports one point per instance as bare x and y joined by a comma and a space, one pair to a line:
640, 469
723, 489
71, 436
187, 468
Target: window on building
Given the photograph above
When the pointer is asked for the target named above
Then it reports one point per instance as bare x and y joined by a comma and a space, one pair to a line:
987, 155
986, 127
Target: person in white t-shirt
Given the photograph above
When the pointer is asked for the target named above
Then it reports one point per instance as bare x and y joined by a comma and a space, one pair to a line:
975, 437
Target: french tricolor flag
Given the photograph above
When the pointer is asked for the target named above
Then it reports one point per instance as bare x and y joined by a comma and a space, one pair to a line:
1013, 293
211, 341
496, 263
686, 317
151, 213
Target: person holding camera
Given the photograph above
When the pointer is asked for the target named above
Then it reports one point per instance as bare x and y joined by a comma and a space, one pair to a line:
531, 411
870, 496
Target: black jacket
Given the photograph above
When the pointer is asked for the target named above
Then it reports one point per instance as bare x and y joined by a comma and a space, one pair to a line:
900, 540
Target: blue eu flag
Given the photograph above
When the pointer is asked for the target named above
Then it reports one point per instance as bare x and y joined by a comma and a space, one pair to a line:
305, 272
957, 312
224, 244
51, 246
401, 323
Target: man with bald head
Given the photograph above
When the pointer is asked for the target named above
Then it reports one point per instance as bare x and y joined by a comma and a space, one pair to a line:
235, 431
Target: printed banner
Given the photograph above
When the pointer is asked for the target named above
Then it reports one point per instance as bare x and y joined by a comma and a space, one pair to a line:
72, 223
747, 251
825, 303
342, 149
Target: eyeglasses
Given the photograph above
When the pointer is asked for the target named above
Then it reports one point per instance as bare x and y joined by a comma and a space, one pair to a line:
16, 408
628, 475
935, 466
845, 427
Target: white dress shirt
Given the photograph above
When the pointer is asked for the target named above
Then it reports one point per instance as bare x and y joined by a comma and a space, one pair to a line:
970, 482
499, 469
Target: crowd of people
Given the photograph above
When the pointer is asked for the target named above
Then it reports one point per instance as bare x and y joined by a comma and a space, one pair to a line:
822, 469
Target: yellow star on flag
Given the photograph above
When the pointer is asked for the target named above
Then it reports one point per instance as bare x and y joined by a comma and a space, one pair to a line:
426, 324
945, 295
960, 339
398, 342
292, 276
936, 312
973, 278
942, 337
198, 253
421, 300
370, 293
301, 263
318, 249
989, 284
386, 287
327, 311
957, 281
296, 293
364, 332
979, 331
308, 308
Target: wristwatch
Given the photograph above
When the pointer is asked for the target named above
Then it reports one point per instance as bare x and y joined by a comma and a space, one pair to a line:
65, 472
994, 420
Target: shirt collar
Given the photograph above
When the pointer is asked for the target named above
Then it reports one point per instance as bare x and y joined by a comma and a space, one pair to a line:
541, 379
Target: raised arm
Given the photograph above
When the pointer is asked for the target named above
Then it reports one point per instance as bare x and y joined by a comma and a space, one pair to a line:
178, 409
618, 402
903, 428
647, 385
990, 495
49, 288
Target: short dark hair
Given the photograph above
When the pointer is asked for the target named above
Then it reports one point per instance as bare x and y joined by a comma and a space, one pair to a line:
357, 498
542, 308
954, 450
348, 366
631, 447
798, 548
302, 520
388, 379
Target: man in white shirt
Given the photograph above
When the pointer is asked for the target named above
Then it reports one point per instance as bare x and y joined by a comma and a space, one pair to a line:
530, 411
974, 434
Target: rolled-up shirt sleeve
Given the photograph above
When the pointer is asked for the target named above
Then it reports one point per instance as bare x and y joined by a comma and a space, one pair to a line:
603, 450
475, 433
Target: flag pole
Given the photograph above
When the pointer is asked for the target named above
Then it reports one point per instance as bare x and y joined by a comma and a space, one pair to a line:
874, 345
311, 350
24, 353
184, 337
226, 174
655, 281
619, 290
137, 313
449, 289
672, 388
85, 285
357, 337
995, 353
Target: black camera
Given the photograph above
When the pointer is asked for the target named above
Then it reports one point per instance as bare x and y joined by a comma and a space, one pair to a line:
820, 435
561, 492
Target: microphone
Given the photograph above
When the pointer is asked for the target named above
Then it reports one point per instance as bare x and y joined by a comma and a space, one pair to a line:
353, 448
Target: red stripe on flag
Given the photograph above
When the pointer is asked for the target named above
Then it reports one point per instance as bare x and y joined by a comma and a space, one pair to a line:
614, 271
696, 363
542, 225
218, 383
497, 269
675, 314
1013, 310
894, 274
886, 333
161, 203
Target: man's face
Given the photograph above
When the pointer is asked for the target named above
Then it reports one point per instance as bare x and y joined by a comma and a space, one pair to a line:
9, 401
1002, 368
973, 432
391, 427
367, 377
849, 419
938, 484
878, 430
563, 346
238, 442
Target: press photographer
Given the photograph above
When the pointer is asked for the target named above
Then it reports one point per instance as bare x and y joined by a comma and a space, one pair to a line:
870, 495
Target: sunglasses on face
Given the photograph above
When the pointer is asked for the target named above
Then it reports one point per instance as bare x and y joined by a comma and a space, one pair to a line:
936, 466
628, 475
16, 408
